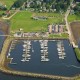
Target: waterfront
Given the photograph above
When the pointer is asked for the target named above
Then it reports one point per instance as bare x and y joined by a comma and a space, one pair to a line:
65, 66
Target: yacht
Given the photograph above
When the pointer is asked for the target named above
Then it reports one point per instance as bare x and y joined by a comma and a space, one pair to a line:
23, 60
58, 49
46, 59
24, 49
24, 45
8, 54
60, 52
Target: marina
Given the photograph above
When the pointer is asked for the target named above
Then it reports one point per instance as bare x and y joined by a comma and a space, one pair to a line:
53, 57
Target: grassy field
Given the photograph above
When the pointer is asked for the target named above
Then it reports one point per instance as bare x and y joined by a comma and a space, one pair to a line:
77, 51
63, 35
72, 18
24, 20
8, 3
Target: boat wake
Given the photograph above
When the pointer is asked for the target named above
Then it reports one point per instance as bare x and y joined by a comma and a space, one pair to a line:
73, 66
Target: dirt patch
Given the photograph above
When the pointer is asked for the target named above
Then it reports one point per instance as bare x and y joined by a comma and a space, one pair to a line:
4, 26
75, 27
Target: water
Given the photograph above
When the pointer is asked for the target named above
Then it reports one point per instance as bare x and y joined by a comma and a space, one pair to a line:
66, 67
1, 40
4, 76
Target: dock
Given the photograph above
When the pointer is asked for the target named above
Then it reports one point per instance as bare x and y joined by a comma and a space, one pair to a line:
61, 50
44, 50
26, 51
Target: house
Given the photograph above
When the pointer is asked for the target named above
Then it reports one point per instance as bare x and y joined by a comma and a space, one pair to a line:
55, 29
50, 28
18, 34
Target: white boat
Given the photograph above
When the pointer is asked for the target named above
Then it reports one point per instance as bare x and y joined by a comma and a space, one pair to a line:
32, 50
60, 57
64, 53
24, 49
25, 55
27, 50
42, 57
42, 60
8, 54
46, 53
24, 45
60, 52
46, 59
26, 60
29, 42
58, 49
23, 60
42, 45
45, 44
28, 55
40, 40
45, 50
42, 50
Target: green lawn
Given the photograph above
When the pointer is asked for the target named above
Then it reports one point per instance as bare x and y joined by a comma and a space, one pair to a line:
8, 3
72, 18
77, 51
63, 35
23, 19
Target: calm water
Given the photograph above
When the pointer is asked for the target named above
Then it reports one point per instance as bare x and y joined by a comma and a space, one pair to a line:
69, 66
1, 40
4, 76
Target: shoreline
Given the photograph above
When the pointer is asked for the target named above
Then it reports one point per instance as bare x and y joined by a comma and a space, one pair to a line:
7, 70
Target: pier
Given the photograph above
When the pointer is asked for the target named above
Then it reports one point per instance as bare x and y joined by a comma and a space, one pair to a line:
44, 50
61, 50
26, 50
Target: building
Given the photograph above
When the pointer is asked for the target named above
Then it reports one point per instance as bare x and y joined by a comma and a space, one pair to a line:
55, 29
50, 29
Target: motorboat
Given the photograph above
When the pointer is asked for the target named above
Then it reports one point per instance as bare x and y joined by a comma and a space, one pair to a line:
23, 60
46, 59
60, 52
24, 49
8, 54
64, 53
24, 45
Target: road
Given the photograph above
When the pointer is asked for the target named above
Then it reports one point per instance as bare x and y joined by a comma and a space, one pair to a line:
11, 15
67, 24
